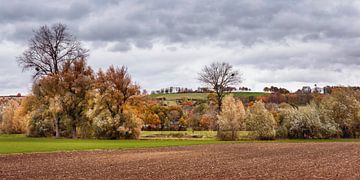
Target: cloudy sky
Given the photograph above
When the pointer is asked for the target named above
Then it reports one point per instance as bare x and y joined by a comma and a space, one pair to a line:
166, 43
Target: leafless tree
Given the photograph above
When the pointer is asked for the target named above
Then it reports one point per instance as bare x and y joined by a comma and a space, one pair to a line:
219, 75
49, 49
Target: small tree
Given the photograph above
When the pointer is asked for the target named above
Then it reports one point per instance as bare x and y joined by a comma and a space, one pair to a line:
231, 118
261, 121
219, 76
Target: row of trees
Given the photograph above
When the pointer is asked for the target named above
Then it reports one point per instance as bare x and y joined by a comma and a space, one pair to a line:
69, 99
331, 116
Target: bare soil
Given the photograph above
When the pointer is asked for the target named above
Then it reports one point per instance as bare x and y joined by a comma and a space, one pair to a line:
231, 161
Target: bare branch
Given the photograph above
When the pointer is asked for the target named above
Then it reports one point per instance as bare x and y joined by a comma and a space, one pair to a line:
219, 76
49, 49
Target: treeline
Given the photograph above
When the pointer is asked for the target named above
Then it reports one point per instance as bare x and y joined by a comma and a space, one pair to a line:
336, 115
70, 99
171, 90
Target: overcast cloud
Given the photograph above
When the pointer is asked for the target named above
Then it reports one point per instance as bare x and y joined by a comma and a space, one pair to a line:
165, 43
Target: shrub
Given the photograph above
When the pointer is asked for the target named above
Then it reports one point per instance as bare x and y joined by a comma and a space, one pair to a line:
227, 136
286, 114
40, 124
343, 107
231, 118
131, 128
307, 122
106, 127
12, 122
261, 121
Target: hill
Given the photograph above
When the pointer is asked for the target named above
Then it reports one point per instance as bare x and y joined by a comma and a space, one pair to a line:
202, 96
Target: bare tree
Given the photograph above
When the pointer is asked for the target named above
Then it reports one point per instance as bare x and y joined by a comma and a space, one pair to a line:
219, 76
49, 49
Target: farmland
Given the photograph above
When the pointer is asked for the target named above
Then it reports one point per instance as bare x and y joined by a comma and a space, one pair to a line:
10, 144
314, 159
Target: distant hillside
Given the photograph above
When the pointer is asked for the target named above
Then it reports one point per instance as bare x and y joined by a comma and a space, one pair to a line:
202, 96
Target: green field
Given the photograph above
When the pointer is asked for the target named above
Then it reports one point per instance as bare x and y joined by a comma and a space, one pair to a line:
202, 96
209, 135
22, 144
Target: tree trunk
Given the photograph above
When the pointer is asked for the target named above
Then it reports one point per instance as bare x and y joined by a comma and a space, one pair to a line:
74, 134
219, 102
57, 127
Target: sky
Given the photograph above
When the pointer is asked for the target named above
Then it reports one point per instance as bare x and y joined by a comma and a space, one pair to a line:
286, 43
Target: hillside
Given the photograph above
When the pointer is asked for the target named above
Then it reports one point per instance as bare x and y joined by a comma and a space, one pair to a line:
201, 96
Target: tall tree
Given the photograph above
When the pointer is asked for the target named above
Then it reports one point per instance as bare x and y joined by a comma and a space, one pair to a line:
49, 49
219, 76
76, 81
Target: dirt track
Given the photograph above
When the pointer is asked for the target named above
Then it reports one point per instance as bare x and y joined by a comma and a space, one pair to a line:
254, 160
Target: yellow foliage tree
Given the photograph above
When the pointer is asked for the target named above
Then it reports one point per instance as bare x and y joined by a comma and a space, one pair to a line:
261, 121
13, 121
231, 117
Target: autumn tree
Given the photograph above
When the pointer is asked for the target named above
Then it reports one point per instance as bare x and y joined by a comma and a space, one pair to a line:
11, 121
161, 114
63, 96
343, 107
49, 49
231, 118
260, 121
114, 88
76, 79
174, 114
48, 102
219, 76
195, 114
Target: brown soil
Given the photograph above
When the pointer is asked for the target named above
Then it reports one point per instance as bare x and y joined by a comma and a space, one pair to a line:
233, 161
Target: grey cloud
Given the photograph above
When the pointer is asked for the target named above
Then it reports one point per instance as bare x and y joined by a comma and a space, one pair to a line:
246, 22
259, 34
43, 10
122, 47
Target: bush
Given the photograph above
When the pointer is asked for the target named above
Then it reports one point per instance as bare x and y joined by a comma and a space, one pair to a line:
231, 118
12, 122
342, 107
285, 116
40, 125
106, 127
131, 128
261, 121
227, 136
122, 126
307, 122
